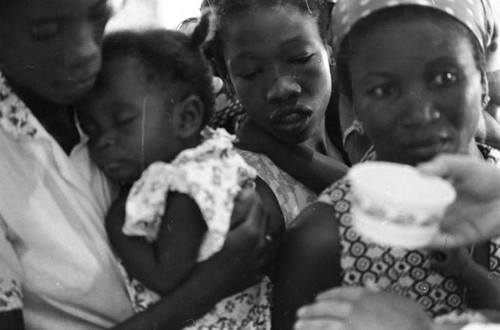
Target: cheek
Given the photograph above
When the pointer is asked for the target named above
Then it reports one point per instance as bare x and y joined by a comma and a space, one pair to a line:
467, 110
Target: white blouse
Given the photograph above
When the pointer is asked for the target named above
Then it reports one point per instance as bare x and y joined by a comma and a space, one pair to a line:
55, 260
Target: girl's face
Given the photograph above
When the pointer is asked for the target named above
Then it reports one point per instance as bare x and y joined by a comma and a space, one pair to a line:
128, 121
279, 67
52, 47
416, 89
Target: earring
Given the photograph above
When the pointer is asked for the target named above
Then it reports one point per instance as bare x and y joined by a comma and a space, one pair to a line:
357, 125
485, 100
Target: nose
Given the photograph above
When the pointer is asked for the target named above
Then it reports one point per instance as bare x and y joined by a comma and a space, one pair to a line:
283, 88
84, 47
105, 141
420, 108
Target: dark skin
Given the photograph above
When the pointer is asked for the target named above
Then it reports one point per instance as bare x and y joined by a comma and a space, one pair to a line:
162, 266
319, 263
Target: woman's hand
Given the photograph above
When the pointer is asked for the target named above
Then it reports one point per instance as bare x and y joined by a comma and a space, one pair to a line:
475, 215
357, 308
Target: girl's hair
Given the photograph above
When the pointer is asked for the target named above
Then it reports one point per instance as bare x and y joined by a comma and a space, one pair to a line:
226, 10
172, 56
403, 14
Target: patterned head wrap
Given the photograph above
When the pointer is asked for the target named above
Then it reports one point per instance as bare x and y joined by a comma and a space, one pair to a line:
476, 15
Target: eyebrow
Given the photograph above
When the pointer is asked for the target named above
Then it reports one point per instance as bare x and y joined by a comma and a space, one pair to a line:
250, 55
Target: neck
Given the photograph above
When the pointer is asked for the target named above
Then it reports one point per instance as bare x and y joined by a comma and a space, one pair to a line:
474, 151
57, 119
320, 142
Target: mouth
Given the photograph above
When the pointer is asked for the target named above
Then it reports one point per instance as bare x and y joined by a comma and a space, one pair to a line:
81, 84
291, 119
425, 149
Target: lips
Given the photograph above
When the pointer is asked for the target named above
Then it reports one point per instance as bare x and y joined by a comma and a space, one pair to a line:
292, 118
428, 147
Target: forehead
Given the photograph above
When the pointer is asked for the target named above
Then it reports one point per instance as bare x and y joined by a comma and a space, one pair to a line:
410, 42
36, 9
265, 27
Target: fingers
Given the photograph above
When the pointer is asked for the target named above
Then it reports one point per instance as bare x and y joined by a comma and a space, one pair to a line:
446, 165
319, 325
345, 293
326, 309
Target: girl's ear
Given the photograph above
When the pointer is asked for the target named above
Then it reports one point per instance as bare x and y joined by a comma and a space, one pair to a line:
189, 113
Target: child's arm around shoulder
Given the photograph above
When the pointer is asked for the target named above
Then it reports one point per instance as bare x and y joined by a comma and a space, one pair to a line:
161, 265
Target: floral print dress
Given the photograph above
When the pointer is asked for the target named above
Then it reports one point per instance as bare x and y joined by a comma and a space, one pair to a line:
212, 174
403, 271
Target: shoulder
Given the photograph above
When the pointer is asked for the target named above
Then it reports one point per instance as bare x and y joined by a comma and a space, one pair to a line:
336, 192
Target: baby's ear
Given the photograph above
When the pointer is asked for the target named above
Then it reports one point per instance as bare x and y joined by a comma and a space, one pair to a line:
189, 115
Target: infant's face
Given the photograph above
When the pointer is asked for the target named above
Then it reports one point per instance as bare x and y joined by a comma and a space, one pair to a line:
127, 120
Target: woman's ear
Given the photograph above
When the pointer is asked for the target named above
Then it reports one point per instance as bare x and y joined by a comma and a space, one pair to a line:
189, 115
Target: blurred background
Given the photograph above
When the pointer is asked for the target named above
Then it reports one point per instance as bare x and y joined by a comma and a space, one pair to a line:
144, 13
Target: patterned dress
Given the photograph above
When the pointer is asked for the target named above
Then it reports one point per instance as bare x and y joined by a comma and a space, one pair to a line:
291, 195
212, 174
406, 272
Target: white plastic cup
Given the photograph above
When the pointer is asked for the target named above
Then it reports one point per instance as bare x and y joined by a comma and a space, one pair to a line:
396, 205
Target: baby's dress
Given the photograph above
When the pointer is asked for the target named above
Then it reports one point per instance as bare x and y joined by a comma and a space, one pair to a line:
212, 174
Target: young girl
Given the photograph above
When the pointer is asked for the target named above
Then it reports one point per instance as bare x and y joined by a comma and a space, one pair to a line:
414, 71
274, 55
147, 111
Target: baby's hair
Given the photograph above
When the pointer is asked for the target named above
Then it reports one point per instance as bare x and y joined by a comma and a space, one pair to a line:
172, 56
401, 13
226, 10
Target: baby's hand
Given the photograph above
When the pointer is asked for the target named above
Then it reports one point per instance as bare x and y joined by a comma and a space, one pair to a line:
453, 262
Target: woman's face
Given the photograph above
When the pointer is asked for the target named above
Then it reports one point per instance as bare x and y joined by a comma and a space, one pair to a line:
416, 89
52, 47
279, 67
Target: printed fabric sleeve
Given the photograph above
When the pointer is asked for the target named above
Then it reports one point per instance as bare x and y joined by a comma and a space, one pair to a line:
10, 273
146, 200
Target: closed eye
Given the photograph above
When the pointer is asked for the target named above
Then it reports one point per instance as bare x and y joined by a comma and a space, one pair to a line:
250, 75
302, 59
46, 29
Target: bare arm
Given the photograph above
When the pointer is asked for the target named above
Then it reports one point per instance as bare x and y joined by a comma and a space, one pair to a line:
308, 263
160, 266
241, 263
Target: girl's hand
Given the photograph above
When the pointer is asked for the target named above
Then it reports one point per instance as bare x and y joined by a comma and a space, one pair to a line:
357, 308
246, 255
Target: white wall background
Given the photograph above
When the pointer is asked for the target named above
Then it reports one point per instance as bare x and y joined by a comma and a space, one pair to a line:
143, 13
